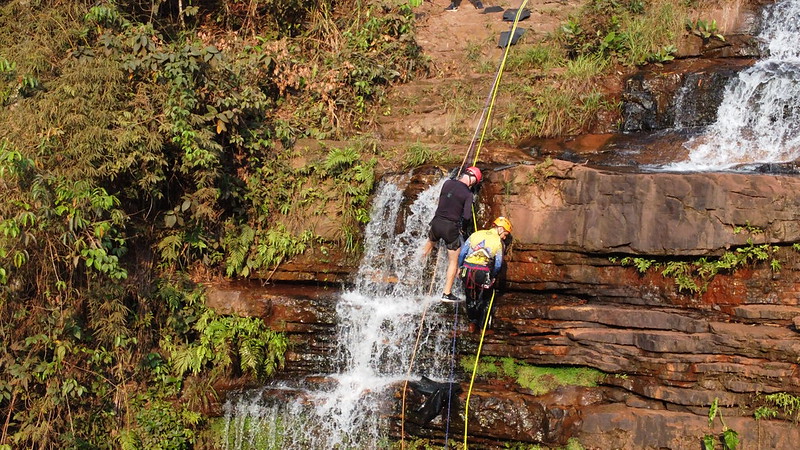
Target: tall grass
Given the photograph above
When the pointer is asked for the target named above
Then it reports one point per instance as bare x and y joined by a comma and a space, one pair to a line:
659, 26
418, 154
604, 36
551, 108
586, 67
545, 55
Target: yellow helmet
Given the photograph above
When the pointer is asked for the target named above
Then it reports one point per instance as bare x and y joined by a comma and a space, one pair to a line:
503, 222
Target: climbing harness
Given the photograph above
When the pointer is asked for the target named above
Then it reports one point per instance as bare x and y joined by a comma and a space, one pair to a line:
471, 282
475, 146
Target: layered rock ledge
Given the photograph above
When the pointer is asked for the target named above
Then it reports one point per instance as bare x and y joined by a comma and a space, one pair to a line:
668, 353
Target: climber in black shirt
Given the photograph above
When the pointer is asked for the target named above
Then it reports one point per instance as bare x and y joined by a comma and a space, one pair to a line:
453, 214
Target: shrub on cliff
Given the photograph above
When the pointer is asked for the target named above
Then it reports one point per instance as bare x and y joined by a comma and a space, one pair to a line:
138, 139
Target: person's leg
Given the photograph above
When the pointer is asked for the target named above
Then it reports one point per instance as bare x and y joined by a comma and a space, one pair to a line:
452, 268
471, 303
434, 234
426, 250
453, 242
483, 304
482, 297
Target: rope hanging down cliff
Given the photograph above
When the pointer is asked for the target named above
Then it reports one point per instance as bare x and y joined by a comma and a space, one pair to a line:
488, 110
475, 147
483, 122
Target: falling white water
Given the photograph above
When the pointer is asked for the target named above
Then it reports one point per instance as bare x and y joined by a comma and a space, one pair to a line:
376, 335
759, 118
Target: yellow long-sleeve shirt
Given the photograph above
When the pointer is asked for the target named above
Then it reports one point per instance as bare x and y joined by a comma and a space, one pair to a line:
481, 248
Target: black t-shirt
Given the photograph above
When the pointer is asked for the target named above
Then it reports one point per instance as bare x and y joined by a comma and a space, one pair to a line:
455, 201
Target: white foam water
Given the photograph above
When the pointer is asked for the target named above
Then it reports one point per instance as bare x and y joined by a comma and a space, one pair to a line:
758, 120
376, 333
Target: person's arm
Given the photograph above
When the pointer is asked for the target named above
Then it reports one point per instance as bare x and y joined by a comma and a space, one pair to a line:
463, 253
466, 213
467, 228
498, 261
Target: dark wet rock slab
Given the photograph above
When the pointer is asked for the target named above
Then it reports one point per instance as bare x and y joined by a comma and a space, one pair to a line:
594, 211
682, 94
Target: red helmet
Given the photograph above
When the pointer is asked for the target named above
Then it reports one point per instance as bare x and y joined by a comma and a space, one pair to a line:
475, 172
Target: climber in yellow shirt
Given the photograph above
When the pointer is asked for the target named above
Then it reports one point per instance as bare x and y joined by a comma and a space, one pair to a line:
480, 259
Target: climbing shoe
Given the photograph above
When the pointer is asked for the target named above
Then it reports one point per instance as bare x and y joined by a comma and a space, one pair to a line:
450, 298
478, 5
452, 7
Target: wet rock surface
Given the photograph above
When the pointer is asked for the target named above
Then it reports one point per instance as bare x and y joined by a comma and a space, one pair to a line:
567, 300
683, 94
668, 354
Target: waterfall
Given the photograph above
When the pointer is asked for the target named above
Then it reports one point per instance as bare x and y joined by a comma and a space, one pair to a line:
376, 333
758, 120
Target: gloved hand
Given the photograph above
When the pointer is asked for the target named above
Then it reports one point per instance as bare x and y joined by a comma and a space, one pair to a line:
487, 284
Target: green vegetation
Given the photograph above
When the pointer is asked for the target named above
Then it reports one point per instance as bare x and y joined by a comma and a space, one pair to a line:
550, 110
541, 172
418, 154
694, 276
780, 405
627, 32
704, 29
765, 412
538, 379
261, 434
604, 37
544, 55
462, 100
788, 403
729, 437
143, 147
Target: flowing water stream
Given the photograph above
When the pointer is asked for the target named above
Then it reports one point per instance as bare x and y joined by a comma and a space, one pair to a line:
759, 118
377, 329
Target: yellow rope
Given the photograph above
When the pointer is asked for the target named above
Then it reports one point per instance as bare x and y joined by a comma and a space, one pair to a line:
486, 116
497, 81
485, 119
495, 87
475, 369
